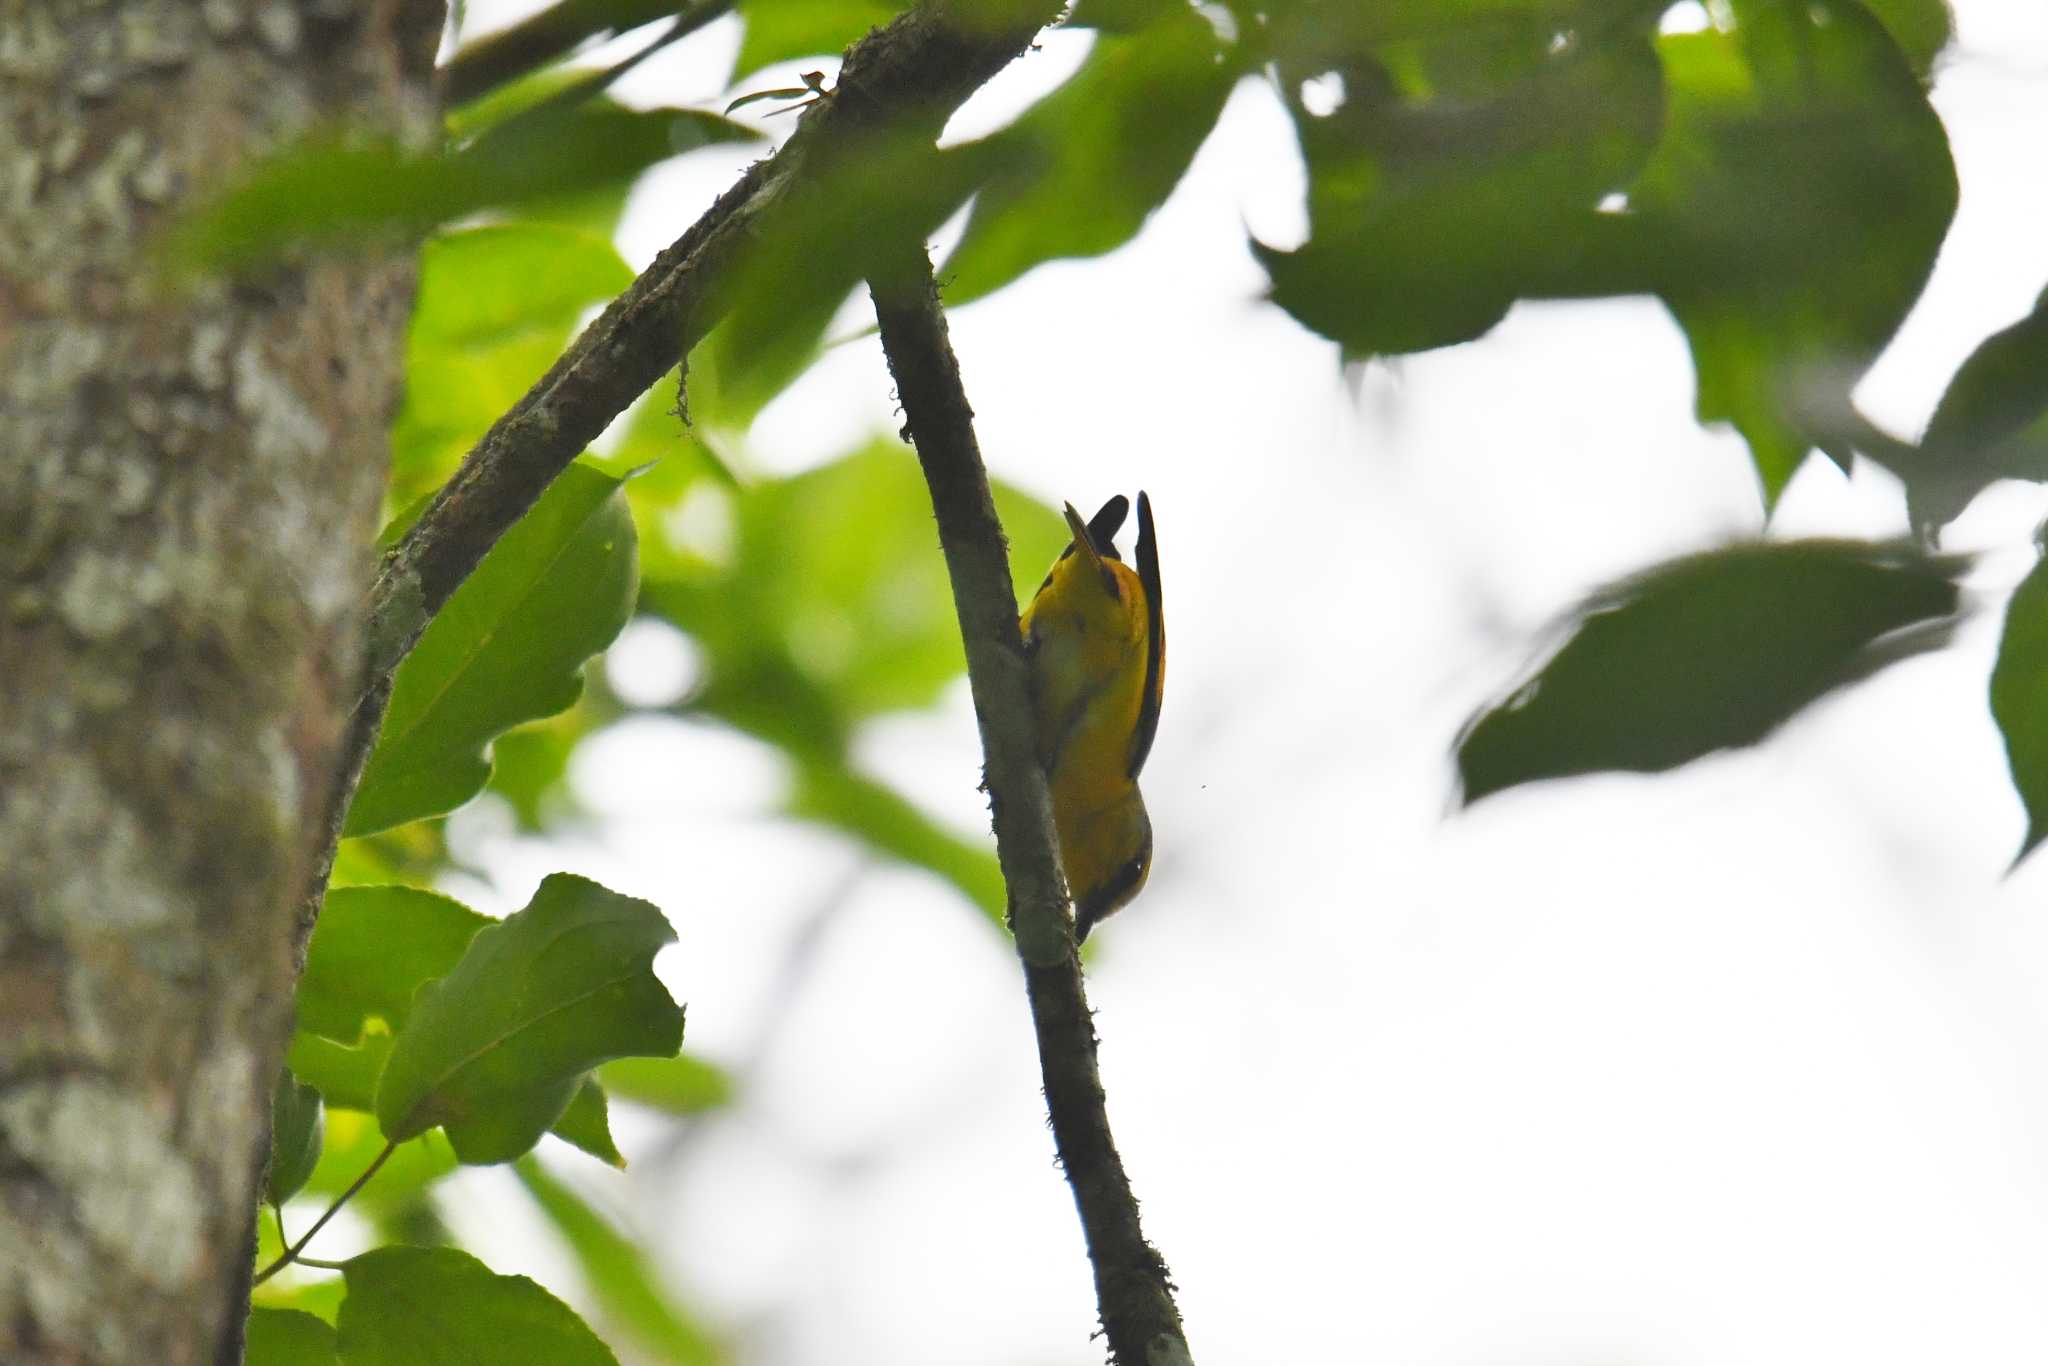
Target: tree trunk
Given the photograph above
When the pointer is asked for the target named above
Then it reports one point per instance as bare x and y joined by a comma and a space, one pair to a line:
189, 483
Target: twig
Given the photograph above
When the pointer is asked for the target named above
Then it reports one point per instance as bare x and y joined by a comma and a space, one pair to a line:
1132, 1291
291, 1253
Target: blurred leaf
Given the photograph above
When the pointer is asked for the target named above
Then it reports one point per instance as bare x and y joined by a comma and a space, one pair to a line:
1991, 424
343, 191
586, 1124
496, 308
835, 605
1792, 212
784, 30
495, 1050
294, 1137
1124, 16
289, 1337
620, 1274
801, 267
1920, 28
480, 284
481, 70
888, 824
439, 1307
1457, 173
530, 765
2019, 698
508, 647
1709, 652
1083, 169
680, 1085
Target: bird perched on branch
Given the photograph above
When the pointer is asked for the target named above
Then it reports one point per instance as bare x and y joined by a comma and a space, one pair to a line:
1096, 639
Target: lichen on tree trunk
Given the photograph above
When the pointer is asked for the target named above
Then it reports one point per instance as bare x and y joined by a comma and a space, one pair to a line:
189, 482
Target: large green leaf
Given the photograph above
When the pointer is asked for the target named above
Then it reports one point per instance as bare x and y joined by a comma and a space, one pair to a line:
415, 1306
1083, 169
1791, 214
288, 1337
1709, 652
1991, 424
495, 1051
295, 1131
2019, 698
622, 1277
888, 824
834, 604
507, 647
350, 191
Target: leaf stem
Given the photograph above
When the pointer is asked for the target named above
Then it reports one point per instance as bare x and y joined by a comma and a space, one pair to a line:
292, 1251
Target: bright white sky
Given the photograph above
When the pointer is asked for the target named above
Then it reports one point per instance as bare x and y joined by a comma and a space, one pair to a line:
1744, 1065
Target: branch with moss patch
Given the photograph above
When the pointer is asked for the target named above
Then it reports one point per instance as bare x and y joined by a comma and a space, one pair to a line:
1132, 1291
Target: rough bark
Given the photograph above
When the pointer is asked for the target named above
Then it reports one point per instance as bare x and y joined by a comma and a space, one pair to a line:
188, 490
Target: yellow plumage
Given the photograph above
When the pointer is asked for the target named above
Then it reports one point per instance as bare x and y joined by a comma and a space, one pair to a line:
1096, 638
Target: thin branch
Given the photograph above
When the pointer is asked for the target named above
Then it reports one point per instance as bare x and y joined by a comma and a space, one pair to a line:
1132, 1291
292, 1252
907, 77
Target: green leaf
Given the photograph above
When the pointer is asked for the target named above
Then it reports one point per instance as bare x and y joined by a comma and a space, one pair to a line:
1920, 28
586, 1124
835, 604
889, 825
678, 1086
784, 30
495, 1051
496, 306
1461, 171
620, 1274
412, 1306
497, 61
2019, 698
508, 647
349, 192
289, 1337
294, 1137
479, 285
1709, 652
1991, 424
801, 267
345, 1074
1791, 214
1083, 169
372, 949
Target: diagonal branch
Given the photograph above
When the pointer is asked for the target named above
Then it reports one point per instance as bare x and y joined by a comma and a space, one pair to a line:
1132, 1292
906, 78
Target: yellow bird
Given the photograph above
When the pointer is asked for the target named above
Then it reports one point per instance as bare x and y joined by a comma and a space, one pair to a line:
1096, 639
